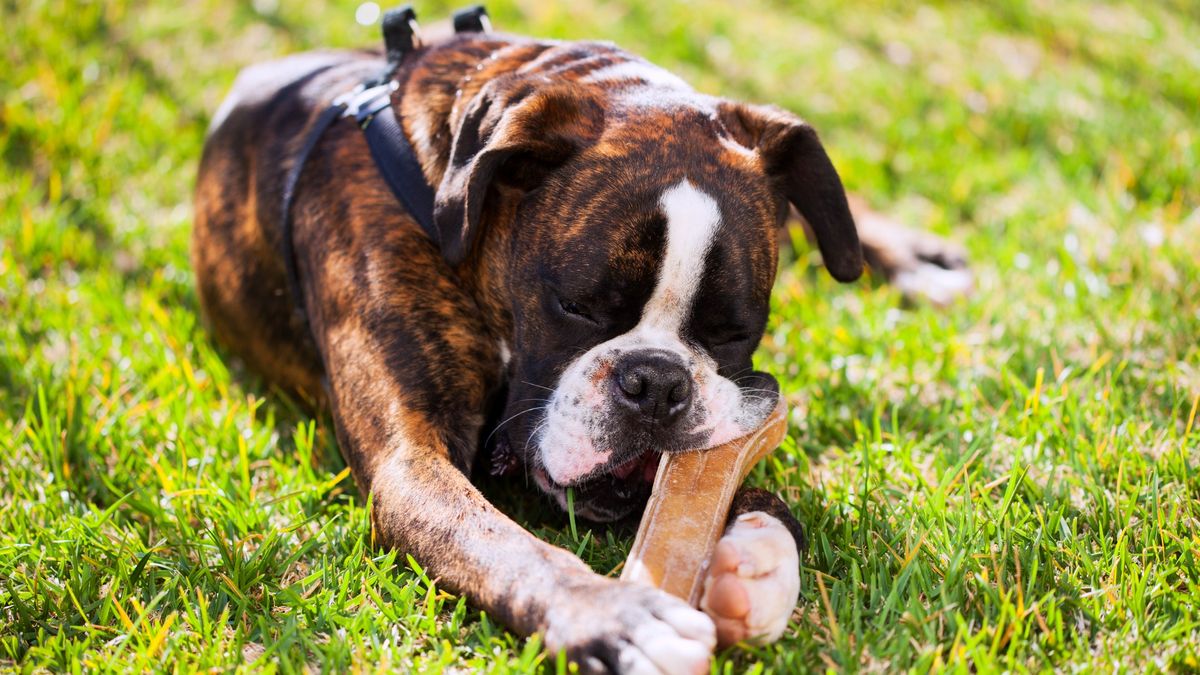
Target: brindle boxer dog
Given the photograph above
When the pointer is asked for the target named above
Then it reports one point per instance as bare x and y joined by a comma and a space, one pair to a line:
608, 247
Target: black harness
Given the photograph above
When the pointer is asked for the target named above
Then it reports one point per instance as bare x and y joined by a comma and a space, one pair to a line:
370, 104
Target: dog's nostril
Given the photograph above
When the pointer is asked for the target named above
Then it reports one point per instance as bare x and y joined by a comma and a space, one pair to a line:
632, 383
681, 392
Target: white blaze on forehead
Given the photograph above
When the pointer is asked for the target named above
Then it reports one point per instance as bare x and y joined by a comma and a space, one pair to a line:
693, 219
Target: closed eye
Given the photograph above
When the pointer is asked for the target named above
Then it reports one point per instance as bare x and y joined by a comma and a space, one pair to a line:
723, 338
574, 309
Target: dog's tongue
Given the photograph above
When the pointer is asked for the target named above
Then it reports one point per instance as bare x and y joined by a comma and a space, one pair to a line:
647, 463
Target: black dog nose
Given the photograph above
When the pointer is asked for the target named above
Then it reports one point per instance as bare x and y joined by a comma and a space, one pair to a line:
655, 384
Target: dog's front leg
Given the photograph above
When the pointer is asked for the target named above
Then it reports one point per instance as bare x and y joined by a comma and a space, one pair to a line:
753, 580
426, 507
407, 386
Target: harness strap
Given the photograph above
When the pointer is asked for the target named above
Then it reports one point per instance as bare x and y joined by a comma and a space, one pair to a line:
370, 104
397, 162
326, 120
394, 158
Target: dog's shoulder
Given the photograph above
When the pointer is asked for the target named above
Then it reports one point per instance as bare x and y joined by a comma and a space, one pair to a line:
290, 86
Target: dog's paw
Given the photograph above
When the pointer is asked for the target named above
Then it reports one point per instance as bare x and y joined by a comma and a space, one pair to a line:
753, 580
923, 266
931, 282
606, 626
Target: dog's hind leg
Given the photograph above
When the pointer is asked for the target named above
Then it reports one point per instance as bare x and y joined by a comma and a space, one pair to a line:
923, 266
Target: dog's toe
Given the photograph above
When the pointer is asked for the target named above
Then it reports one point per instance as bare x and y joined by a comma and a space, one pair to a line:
609, 626
668, 650
753, 580
935, 283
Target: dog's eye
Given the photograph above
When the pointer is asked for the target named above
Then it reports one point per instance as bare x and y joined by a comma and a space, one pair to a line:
728, 339
574, 309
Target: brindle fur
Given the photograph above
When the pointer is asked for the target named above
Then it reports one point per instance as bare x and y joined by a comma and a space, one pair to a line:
403, 335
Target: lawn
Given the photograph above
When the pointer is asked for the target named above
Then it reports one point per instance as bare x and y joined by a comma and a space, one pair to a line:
1009, 484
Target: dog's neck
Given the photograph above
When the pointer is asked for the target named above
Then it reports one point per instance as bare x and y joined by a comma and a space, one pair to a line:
434, 95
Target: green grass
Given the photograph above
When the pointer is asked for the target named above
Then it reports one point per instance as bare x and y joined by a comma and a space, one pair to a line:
1011, 484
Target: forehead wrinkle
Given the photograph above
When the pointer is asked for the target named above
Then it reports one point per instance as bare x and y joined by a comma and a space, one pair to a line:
693, 219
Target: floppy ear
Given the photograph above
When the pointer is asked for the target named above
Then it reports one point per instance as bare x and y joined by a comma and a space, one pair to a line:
511, 134
794, 158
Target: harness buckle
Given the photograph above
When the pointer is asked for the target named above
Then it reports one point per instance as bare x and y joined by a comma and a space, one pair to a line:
363, 102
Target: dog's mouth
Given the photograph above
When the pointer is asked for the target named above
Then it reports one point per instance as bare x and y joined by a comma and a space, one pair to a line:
642, 467
611, 495
619, 484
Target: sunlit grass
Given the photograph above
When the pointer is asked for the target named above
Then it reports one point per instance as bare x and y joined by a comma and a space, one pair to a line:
1012, 484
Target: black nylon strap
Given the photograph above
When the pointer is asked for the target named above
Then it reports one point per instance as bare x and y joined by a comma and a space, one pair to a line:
332, 114
371, 106
396, 161
393, 156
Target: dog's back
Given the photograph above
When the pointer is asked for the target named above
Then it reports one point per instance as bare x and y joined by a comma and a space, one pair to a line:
253, 136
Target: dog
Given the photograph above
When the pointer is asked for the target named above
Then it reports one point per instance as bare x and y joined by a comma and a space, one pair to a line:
607, 243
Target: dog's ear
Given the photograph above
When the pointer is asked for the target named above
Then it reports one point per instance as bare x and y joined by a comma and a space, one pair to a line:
510, 136
793, 157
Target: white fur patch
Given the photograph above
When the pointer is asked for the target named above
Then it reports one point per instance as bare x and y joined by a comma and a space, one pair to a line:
757, 560
505, 352
692, 221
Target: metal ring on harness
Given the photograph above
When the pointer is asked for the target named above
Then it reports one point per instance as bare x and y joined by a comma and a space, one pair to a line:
363, 103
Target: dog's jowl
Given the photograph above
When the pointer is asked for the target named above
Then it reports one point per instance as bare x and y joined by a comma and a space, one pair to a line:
602, 255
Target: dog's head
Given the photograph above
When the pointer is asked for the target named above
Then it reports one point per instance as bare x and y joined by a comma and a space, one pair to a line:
642, 235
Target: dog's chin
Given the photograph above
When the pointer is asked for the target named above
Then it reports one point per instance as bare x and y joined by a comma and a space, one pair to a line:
616, 493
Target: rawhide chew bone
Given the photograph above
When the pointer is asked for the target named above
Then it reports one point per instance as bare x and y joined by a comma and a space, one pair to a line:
688, 507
